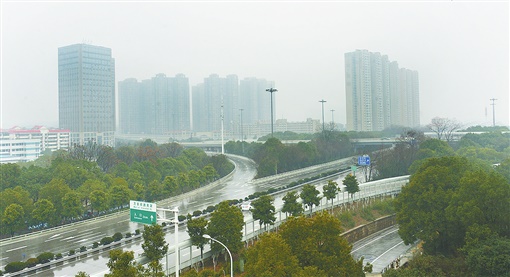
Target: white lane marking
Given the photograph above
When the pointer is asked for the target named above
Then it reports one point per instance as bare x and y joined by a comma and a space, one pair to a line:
386, 252
88, 230
68, 238
21, 247
209, 198
369, 242
54, 236
4, 258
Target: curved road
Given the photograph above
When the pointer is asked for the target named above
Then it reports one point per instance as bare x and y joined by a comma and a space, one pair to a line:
85, 233
238, 186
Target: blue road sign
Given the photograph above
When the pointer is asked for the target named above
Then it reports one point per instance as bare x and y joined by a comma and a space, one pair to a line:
364, 160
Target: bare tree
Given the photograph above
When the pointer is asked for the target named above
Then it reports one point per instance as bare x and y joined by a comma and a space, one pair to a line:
444, 127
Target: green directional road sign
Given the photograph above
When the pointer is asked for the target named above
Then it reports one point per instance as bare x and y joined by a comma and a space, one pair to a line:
142, 212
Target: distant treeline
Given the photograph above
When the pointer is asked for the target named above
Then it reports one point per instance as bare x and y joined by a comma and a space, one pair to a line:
275, 157
90, 180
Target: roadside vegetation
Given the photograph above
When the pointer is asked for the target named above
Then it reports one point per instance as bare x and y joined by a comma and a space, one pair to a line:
93, 180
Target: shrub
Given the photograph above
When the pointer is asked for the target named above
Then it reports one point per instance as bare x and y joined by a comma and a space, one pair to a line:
45, 257
117, 236
197, 213
31, 262
181, 218
106, 240
210, 209
366, 214
128, 234
137, 231
347, 220
163, 224
72, 252
95, 244
58, 256
83, 249
14, 267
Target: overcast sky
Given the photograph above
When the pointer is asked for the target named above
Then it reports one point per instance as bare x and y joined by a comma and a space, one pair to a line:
460, 50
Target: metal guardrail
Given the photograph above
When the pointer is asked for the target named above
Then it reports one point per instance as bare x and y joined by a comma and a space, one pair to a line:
367, 191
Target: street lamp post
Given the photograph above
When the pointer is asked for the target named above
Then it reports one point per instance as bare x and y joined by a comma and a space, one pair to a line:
242, 135
230, 254
271, 90
332, 117
323, 101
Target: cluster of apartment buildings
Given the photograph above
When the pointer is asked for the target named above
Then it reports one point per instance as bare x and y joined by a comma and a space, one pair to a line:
378, 94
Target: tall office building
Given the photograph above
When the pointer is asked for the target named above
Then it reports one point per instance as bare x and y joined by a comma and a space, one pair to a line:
158, 106
86, 93
379, 94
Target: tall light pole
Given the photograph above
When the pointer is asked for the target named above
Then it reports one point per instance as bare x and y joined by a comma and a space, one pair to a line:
493, 112
271, 90
230, 254
323, 101
222, 144
332, 118
242, 135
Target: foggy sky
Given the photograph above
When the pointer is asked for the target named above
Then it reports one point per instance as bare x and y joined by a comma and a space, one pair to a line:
460, 50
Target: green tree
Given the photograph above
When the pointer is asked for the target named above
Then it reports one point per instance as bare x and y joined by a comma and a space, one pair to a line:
290, 204
106, 158
351, 184
154, 245
55, 191
119, 193
14, 218
310, 196
196, 230
16, 195
271, 256
99, 201
316, 242
264, 210
81, 274
9, 175
330, 191
446, 196
226, 225
122, 264
487, 254
89, 186
44, 212
71, 205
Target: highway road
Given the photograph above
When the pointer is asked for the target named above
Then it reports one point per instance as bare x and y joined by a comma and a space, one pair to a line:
380, 249
238, 186
85, 233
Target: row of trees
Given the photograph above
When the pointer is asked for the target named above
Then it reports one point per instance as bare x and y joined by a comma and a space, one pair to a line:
71, 188
459, 209
403, 159
275, 157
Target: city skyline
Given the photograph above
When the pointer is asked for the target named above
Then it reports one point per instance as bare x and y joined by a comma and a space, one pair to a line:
459, 49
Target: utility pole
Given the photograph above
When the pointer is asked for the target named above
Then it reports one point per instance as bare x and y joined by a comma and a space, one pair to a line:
271, 90
493, 112
323, 101
242, 135
332, 118
222, 144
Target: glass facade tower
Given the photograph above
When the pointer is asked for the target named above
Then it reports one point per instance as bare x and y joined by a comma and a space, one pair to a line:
86, 92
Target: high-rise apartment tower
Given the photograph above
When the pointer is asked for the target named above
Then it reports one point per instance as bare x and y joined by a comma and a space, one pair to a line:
379, 94
86, 93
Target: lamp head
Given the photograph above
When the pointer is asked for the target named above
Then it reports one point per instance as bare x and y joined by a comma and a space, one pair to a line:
206, 236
